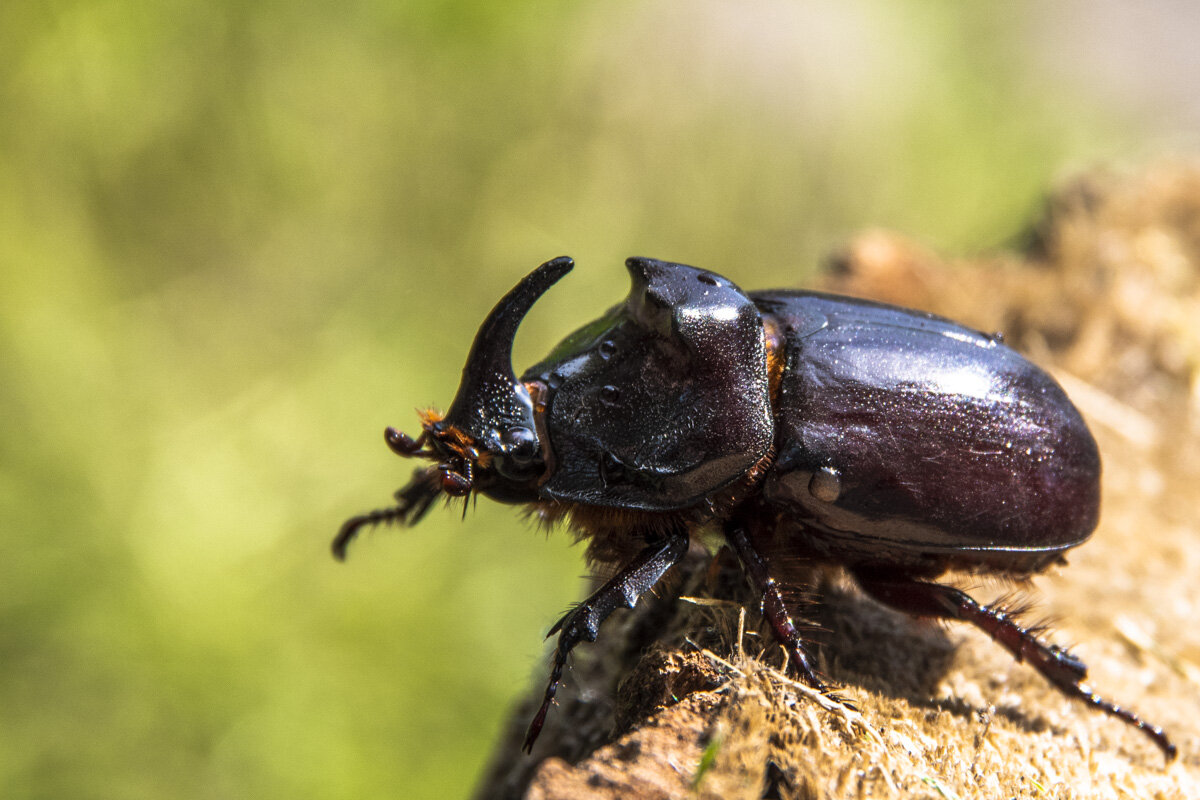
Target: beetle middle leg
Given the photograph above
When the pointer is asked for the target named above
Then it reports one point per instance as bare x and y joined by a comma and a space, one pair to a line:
1058, 666
582, 623
773, 607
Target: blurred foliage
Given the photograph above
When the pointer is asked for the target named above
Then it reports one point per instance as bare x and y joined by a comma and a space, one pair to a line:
236, 240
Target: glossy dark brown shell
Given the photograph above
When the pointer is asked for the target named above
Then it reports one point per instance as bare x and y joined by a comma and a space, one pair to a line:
904, 437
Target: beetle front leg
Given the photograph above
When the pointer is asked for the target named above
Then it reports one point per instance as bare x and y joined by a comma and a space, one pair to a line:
583, 622
773, 607
1063, 670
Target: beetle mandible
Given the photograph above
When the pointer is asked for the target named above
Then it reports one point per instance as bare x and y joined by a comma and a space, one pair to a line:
894, 443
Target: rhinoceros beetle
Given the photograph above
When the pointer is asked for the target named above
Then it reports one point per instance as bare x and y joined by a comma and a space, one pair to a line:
894, 443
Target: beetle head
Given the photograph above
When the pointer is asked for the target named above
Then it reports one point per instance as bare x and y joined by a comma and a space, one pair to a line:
490, 425
488, 440
488, 435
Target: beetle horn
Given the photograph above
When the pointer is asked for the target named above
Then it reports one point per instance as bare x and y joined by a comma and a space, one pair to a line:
491, 402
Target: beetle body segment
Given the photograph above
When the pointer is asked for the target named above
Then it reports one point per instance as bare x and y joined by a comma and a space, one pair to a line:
903, 437
662, 402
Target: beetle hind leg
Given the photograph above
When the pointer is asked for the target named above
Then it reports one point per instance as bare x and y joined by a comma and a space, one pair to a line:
1063, 670
582, 623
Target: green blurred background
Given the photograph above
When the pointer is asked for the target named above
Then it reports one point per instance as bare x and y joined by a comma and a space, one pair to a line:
237, 240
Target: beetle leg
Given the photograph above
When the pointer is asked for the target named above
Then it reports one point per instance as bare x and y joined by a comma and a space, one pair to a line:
582, 623
1063, 670
411, 504
773, 607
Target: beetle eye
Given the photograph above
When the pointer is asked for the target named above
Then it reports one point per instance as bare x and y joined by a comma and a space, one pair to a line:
519, 444
607, 349
609, 395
